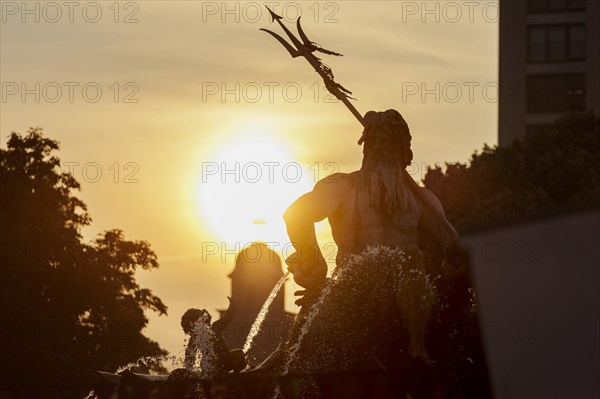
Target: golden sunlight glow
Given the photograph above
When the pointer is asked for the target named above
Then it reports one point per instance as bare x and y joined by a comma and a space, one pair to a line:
247, 186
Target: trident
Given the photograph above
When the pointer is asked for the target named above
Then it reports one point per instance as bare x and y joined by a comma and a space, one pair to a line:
306, 49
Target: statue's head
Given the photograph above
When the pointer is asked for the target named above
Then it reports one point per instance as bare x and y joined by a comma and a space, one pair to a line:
191, 316
387, 135
386, 154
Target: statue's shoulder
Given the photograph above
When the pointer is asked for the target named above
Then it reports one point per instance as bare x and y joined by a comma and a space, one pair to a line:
337, 180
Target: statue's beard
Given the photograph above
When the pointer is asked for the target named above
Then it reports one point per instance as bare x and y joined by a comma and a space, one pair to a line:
381, 186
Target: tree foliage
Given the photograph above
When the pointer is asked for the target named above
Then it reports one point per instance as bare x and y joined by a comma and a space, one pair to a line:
549, 171
68, 307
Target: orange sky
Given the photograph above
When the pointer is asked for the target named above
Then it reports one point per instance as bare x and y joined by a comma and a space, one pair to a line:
187, 85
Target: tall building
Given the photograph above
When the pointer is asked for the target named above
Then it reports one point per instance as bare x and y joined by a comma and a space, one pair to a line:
549, 62
257, 269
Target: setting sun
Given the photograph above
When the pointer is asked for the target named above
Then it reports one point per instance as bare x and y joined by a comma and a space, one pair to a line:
245, 188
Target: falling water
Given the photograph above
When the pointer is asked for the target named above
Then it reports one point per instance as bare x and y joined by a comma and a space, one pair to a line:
145, 361
263, 313
338, 275
203, 340
422, 283
309, 318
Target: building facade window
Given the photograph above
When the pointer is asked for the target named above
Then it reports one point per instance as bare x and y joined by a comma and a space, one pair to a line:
544, 6
555, 43
555, 93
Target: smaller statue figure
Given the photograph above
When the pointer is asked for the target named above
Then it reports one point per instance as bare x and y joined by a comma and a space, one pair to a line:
207, 339
216, 358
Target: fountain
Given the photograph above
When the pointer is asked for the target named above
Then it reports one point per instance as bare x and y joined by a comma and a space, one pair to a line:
257, 324
389, 309
393, 311
396, 319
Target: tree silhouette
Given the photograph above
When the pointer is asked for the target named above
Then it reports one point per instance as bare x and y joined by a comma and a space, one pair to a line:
549, 171
68, 308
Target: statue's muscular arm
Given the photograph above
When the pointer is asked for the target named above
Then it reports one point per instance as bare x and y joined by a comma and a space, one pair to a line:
433, 220
307, 264
435, 224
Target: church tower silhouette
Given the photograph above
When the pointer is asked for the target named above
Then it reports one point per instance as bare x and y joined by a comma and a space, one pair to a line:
257, 270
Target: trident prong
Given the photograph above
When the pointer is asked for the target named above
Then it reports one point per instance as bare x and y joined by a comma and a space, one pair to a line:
293, 52
306, 49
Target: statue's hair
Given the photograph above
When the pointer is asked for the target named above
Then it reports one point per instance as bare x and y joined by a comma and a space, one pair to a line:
386, 153
392, 125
